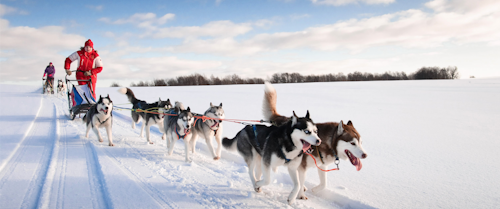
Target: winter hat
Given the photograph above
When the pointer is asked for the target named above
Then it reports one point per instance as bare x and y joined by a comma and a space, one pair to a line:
89, 43
50, 63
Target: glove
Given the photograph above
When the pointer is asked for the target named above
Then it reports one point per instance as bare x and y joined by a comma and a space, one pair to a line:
87, 73
68, 72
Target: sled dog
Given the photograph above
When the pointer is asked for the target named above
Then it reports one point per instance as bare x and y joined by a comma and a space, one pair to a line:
149, 119
179, 127
100, 115
338, 139
61, 87
210, 128
273, 146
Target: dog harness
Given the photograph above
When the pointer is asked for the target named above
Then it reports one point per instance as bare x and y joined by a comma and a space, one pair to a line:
179, 136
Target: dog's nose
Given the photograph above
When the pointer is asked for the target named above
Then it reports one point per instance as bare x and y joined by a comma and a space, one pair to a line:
318, 142
364, 155
107, 108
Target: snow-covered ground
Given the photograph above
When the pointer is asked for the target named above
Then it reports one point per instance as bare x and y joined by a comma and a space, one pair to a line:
430, 144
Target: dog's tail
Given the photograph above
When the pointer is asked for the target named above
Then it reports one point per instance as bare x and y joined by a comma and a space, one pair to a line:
269, 103
179, 105
230, 144
129, 93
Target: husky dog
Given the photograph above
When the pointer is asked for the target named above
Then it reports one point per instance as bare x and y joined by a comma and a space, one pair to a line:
210, 128
61, 87
338, 140
179, 127
273, 146
100, 115
149, 119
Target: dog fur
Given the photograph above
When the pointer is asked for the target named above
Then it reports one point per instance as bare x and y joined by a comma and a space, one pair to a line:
179, 126
343, 139
100, 115
148, 119
61, 87
210, 128
271, 146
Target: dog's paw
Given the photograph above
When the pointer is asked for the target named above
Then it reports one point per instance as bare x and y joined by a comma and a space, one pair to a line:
302, 197
100, 140
305, 188
290, 202
151, 142
111, 144
163, 137
317, 189
216, 158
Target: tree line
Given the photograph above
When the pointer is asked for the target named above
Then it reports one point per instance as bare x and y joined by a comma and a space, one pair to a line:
198, 79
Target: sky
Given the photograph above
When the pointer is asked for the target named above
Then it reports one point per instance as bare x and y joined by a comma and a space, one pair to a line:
146, 40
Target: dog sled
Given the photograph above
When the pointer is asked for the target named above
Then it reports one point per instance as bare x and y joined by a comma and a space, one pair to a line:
80, 97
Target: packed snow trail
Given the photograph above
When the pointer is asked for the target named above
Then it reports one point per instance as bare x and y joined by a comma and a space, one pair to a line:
51, 164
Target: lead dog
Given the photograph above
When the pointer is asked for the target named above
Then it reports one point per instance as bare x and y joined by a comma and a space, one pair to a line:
179, 127
339, 139
148, 118
61, 87
210, 128
273, 146
100, 115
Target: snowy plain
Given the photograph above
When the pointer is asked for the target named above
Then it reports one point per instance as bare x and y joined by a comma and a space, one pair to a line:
430, 144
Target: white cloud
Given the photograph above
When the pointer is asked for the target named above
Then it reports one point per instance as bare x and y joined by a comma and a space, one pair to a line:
142, 20
410, 28
25, 51
5, 10
97, 8
211, 29
345, 2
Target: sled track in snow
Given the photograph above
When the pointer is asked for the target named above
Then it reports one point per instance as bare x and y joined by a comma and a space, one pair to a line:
197, 157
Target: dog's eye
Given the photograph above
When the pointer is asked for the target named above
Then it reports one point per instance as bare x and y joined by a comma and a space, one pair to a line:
352, 143
307, 132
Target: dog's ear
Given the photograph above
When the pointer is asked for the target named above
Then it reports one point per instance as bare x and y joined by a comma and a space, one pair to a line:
340, 128
220, 104
349, 123
294, 119
100, 99
211, 105
307, 115
159, 99
188, 109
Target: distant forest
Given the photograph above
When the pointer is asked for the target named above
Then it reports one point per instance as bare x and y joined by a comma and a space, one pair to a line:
197, 79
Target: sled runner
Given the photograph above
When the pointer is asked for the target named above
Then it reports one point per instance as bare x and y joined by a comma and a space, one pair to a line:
80, 97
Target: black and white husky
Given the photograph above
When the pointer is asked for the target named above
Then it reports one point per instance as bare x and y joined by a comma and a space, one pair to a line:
100, 115
339, 141
149, 119
209, 128
179, 127
273, 146
61, 87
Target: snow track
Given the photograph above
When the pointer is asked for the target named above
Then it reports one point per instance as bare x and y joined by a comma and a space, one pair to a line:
55, 166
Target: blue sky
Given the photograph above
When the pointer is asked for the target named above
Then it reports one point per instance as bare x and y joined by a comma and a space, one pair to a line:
146, 40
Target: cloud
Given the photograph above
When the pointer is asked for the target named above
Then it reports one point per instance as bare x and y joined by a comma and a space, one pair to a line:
25, 51
97, 8
455, 22
6, 10
212, 29
345, 2
142, 20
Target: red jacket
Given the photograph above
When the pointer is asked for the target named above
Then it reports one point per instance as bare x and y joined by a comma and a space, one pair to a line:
86, 62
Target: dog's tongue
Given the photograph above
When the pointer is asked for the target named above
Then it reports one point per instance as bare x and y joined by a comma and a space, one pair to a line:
105, 111
305, 146
358, 164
